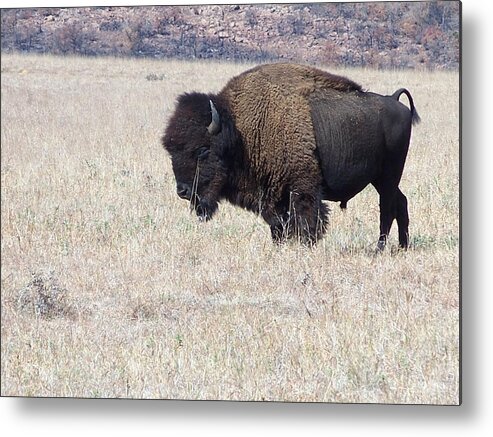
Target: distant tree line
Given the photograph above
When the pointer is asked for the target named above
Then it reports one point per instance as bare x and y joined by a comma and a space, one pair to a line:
380, 34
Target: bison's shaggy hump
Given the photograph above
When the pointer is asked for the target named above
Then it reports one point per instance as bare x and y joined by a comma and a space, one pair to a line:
274, 97
298, 76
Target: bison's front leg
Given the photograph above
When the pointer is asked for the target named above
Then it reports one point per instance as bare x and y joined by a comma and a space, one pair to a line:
303, 217
309, 217
278, 233
280, 225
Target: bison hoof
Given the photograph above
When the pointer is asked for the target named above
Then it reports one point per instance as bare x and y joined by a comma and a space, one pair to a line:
380, 246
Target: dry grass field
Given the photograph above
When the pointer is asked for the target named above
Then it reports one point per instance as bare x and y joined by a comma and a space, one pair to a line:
111, 288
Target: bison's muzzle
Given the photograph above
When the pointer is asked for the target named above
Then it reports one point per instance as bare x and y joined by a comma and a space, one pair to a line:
184, 190
202, 207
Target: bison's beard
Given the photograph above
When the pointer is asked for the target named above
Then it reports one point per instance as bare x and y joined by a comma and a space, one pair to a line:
205, 209
206, 203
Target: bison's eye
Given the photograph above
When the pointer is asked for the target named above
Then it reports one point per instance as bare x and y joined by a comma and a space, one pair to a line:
202, 153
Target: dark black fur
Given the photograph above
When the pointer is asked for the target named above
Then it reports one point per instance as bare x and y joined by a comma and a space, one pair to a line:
364, 139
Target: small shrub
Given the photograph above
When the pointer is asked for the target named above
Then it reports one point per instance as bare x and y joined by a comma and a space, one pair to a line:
43, 297
154, 76
143, 312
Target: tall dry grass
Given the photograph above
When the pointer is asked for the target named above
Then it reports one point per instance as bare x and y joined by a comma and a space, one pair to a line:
110, 288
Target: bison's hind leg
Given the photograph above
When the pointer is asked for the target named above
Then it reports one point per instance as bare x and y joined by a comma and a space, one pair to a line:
387, 211
402, 216
393, 205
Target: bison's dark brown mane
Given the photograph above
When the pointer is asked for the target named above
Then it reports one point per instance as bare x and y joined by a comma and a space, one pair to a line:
195, 104
192, 108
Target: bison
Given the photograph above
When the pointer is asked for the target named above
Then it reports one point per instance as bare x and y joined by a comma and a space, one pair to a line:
279, 139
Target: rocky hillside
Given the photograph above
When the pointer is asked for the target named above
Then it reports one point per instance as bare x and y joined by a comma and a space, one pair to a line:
383, 35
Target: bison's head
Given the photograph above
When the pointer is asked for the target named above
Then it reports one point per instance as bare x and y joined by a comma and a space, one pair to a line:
198, 138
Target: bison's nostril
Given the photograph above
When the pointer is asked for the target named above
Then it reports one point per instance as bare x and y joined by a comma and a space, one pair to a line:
183, 190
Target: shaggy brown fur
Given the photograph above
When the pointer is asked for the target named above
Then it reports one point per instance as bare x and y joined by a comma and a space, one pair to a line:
275, 97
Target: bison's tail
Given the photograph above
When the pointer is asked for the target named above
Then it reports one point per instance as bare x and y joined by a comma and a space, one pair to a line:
414, 114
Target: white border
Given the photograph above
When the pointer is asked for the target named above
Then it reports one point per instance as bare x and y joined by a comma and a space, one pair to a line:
130, 418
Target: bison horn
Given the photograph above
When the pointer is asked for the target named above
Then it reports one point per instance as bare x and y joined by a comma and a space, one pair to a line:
215, 125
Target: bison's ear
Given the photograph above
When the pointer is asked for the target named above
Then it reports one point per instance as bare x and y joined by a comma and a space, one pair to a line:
215, 127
